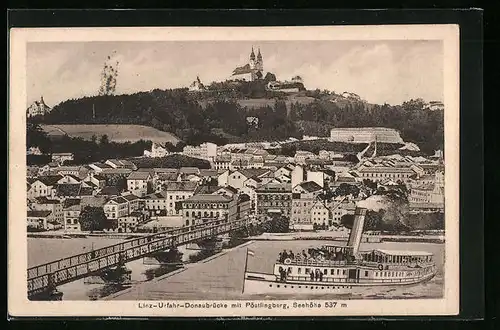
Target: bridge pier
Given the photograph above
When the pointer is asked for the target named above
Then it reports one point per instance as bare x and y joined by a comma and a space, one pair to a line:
116, 275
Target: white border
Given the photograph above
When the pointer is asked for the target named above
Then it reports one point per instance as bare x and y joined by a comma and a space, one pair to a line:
18, 303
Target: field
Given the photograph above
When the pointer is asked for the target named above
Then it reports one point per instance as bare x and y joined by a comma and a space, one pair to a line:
116, 133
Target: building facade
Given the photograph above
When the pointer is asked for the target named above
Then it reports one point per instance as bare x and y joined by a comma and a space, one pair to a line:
274, 199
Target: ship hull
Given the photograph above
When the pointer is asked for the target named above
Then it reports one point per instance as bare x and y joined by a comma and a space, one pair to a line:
260, 283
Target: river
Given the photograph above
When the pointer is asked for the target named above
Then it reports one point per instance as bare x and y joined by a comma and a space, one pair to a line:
220, 277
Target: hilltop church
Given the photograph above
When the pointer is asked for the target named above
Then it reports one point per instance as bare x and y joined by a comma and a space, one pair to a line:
251, 71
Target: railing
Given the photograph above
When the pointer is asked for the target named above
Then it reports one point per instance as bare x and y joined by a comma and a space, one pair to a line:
50, 275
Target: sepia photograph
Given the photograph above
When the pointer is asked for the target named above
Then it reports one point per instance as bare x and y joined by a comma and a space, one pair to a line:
234, 171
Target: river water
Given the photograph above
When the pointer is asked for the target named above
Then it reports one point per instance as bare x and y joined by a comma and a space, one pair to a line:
220, 277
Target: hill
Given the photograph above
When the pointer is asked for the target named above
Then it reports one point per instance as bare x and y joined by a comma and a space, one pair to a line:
180, 113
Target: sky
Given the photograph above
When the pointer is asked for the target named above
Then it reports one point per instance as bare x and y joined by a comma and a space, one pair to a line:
378, 71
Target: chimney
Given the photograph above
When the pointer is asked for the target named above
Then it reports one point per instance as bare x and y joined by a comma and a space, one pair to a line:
357, 229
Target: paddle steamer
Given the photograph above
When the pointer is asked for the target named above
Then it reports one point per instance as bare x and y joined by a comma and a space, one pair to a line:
341, 269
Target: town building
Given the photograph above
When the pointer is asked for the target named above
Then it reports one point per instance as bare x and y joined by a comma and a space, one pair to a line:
380, 173
40, 220
38, 108
176, 192
274, 199
43, 186
121, 163
130, 222
207, 151
222, 162
301, 156
61, 157
116, 207
55, 206
251, 71
138, 181
157, 150
203, 208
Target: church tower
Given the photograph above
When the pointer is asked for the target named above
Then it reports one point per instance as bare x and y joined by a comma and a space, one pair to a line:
260, 63
252, 60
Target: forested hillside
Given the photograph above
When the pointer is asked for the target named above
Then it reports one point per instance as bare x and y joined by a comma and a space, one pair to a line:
179, 112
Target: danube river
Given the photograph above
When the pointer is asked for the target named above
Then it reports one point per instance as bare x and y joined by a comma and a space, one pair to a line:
220, 277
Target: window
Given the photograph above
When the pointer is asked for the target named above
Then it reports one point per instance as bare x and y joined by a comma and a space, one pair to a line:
307, 270
299, 270
325, 271
332, 271
366, 273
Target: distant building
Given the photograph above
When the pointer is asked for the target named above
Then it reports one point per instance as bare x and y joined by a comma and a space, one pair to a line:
38, 108
365, 135
435, 105
207, 151
196, 86
251, 71
61, 157
157, 150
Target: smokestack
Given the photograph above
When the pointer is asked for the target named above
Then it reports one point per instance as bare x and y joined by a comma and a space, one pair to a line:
357, 229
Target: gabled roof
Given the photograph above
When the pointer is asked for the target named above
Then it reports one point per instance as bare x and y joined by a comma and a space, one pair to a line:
254, 172
310, 186
86, 191
130, 197
329, 172
208, 173
45, 200
180, 186
242, 70
118, 200
227, 188
223, 159
206, 189
50, 180
95, 201
113, 171
39, 214
109, 191
68, 189
158, 195
139, 175
70, 202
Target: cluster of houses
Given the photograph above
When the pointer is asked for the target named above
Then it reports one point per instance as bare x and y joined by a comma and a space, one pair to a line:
243, 182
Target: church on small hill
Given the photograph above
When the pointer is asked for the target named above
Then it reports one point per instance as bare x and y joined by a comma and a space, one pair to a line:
251, 71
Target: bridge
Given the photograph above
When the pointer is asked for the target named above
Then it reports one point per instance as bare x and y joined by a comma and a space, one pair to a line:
46, 277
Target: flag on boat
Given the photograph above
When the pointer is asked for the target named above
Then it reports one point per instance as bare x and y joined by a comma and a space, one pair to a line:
250, 253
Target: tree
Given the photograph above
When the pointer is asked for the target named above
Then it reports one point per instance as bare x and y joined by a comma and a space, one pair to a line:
104, 139
347, 189
93, 218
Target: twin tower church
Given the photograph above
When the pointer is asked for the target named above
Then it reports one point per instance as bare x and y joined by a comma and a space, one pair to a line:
251, 71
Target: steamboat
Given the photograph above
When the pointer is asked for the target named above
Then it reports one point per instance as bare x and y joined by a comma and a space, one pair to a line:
341, 268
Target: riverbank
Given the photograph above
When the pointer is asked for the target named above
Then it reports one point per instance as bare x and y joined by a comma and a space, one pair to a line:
343, 237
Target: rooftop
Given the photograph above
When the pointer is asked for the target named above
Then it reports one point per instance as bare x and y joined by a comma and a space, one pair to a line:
310, 186
139, 175
208, 198
39, 214
109, 191
180, 186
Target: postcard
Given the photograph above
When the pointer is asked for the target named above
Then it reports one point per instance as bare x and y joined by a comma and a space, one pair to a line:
234, 171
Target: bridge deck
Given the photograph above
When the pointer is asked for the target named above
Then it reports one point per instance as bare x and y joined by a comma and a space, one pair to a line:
50, 275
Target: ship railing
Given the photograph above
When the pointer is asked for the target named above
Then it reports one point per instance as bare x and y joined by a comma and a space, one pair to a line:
306, 262
392, 264
402, 280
